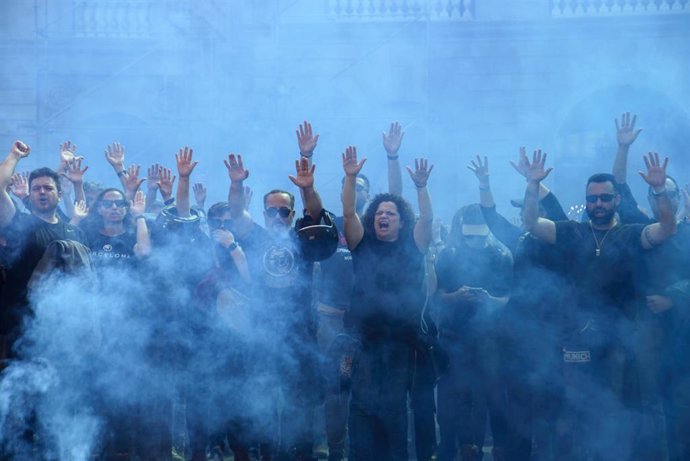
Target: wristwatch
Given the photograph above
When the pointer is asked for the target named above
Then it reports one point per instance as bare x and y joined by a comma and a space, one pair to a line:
233, 246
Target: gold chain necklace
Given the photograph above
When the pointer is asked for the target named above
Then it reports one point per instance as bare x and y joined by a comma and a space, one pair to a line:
597, 252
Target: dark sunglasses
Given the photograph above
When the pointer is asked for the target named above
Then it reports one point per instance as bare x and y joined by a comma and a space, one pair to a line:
109, 203
217, 223
283, 211
603, 197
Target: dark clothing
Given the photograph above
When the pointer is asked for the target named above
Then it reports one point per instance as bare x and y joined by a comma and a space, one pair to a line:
27, 239
628, 210
598, 359
469, 333
606, 283
112, 251
386, 307
664, 361
283, 314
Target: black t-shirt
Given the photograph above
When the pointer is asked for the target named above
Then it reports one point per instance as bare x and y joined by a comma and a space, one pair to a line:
115, 251
605, 284
281, 279
27, 239
489, 268
388, 296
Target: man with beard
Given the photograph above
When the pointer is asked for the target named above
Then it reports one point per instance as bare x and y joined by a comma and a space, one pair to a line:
602, 257
281, 266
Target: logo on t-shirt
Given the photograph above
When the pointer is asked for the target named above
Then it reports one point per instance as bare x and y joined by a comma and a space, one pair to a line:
280, 266
107, 248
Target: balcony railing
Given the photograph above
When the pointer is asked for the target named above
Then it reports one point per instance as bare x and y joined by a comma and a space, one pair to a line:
401, 10
588, 8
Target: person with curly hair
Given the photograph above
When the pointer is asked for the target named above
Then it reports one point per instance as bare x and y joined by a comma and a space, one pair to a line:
388, 247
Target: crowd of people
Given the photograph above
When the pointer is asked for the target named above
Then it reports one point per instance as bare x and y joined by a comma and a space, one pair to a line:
565, 338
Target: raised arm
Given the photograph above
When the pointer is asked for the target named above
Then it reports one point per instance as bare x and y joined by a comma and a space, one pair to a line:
18, 151
185, 166
522, 166
391, 143
153, 176
115, 155
542, 228
137, 207
75, 175
354, 231
423, 226
656, 233
304, 179
306, 141
625, 136
481, 171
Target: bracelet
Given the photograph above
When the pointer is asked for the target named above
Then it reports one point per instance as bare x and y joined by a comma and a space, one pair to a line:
306, 155
121, 173
484, 187
419, 186
233, 246
659, 194
392, 157
139, 216
170, 201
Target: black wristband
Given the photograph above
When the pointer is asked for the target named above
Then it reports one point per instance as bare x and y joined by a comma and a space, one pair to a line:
393, 157
170, 201
233, 246
121, 173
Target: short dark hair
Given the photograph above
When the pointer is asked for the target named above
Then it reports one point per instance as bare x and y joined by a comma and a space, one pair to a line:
46, 172
602, 177
404, 209
217, 209
280, 191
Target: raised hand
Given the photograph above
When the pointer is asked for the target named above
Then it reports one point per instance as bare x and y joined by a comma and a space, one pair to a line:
480, 169
137, 206
625, 132
350, 164
20, 149
534, 170
199, 194
166, 182
67, 152
19, 185
523, 164
392, 140
131, 181
115, 155
306, 140
74, 173
235, 166
304, 178
421, 172
80, 211
656, 172
153, 176
185, 165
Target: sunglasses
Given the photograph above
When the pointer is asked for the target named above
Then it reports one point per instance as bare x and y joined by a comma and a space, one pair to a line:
217, 223
603, 197
109, 203
283, 211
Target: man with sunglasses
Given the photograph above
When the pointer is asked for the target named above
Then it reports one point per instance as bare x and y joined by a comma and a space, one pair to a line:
603, 260
282, 278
